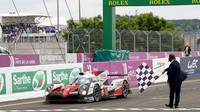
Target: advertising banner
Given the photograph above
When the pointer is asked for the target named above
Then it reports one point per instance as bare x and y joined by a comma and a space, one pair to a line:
137, 55
194, 53
97, 66
64, 75
85, 57
89, 57
2, 84
177, 54
160, 65
29, 81
19, 60
191, 65
155, 55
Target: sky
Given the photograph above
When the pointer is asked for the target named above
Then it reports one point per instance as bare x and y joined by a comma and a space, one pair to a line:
91, 8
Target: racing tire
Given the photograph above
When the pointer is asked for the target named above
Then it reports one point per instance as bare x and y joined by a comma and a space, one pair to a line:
96, 93
47, 100
125, 90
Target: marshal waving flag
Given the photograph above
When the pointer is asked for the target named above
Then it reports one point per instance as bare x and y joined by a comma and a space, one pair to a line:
145, 76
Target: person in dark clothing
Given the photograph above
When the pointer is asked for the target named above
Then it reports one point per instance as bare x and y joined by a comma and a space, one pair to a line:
187, 49
174, 81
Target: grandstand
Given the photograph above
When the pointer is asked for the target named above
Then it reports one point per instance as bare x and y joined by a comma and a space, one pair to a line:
25, 28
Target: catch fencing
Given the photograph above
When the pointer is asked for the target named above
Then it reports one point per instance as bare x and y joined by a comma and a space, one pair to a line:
90, 40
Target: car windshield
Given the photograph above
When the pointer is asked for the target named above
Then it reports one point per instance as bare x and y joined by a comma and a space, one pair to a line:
80, 80
3, 51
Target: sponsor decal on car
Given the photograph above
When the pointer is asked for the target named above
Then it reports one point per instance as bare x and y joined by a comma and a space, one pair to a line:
103, 76
69, 87
105, 91
89, 98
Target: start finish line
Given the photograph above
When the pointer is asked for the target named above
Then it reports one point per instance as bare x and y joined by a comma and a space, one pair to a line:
109, 21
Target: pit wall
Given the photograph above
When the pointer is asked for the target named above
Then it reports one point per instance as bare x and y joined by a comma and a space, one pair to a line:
89, 57
29, 82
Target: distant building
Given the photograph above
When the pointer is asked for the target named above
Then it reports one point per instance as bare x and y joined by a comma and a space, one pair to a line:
193, 40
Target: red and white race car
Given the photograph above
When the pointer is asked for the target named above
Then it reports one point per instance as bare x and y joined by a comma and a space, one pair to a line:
89, 86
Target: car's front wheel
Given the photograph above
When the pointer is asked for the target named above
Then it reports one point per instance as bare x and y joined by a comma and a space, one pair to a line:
96, 93
47, 99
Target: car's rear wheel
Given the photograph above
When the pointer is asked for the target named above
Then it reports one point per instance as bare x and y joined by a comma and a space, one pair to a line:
96, 93
125, 90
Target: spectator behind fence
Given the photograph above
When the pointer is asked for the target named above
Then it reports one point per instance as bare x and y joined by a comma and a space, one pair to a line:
28, 29
187, 50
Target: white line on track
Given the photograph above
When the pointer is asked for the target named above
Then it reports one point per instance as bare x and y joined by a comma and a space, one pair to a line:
29, 110
119, 109
89, 109
44, 110
59, 110
103, 109
73, 109
150, 109
134, 109
195, 108
25, 103
183, 109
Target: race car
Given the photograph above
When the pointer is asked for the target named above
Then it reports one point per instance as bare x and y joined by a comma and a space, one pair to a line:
89, 87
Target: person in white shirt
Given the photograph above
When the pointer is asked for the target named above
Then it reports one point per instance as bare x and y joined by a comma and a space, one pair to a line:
187, 50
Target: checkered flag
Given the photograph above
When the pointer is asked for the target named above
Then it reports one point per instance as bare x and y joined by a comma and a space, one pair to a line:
145, 76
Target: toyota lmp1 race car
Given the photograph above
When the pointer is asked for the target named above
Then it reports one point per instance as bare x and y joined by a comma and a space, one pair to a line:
89, 87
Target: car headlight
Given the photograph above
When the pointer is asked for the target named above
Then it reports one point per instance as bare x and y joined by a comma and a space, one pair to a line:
83, 89
83, 92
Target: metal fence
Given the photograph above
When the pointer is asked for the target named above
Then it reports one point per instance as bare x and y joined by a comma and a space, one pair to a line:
30, 37
90, 40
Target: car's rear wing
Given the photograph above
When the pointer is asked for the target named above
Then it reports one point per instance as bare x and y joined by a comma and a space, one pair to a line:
104, 76
96, 73
118, 75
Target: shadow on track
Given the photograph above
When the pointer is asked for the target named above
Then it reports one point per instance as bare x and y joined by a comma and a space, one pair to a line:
77, 102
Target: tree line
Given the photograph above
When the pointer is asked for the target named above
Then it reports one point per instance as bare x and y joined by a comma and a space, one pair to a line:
143, 22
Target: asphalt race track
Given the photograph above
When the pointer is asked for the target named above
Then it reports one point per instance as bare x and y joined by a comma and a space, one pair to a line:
152, 99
